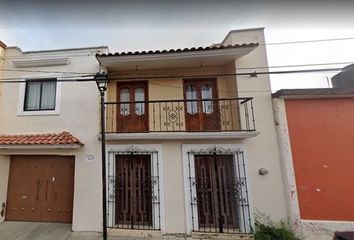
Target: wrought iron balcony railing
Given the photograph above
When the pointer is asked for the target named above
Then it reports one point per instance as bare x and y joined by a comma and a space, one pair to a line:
207, 115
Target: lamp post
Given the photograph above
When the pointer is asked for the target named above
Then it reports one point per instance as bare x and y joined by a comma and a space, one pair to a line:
102, 82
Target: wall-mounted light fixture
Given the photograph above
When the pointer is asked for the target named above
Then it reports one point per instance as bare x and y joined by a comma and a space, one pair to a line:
263, 171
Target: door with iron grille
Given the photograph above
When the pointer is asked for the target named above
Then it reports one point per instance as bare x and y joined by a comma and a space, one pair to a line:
217, 208
133, 191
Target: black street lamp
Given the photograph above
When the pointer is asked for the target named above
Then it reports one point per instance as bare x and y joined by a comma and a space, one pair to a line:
102, 82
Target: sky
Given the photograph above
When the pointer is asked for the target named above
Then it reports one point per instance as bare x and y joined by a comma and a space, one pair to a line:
144, 25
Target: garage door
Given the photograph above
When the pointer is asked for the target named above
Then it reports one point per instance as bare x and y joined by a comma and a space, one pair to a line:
40, 189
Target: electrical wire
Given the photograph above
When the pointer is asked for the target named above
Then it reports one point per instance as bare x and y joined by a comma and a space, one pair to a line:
242, 68
44, 77
251, 74
219, 90
263, 44
280, 66
49, 53
309, 41
297, 65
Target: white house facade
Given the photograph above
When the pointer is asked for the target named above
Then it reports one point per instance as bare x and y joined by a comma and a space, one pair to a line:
187, 139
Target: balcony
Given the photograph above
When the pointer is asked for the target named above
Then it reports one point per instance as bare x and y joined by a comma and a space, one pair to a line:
181, 118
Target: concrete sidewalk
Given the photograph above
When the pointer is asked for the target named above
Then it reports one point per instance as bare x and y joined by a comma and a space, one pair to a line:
57, 231
46, 231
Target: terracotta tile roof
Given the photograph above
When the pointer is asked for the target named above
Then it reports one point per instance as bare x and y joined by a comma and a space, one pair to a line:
179, 50
3, 45
42, 138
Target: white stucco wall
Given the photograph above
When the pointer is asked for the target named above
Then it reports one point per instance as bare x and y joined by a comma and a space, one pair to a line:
174, 204
4, 161
287, 160
4, 176
79, 115
267, 192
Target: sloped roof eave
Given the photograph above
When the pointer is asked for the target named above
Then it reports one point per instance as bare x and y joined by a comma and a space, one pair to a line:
177, 51
48, 139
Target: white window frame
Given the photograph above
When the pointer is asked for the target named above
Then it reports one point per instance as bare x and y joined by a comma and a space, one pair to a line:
141, 148
186, 149
22, 93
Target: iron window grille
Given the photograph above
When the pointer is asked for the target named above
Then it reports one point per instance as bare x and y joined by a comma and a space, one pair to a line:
147, 190
233, 192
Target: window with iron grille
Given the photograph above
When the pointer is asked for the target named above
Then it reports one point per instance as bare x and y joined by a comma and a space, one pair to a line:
40, 95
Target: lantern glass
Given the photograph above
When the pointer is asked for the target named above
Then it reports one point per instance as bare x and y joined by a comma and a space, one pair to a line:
101, 81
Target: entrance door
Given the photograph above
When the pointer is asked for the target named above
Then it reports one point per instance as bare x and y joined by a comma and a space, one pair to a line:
40, 189
216, 203
201, 115
133, 191
132, 117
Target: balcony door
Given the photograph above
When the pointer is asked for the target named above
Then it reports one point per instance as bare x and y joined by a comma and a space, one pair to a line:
201, 113
132, 112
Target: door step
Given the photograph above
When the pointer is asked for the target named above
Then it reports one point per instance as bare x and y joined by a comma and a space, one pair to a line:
221, 236
128, 234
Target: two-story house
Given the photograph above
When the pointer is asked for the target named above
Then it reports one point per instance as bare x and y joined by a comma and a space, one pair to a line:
49, 150
187, 137
190, 139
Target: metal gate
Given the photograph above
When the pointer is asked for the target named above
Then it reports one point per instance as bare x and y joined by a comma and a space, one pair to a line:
218, 190
133, 190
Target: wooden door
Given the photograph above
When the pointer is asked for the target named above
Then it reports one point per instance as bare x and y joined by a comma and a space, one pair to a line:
133, 191
58, 189
202, 114
41, 189
217, 206
132, 117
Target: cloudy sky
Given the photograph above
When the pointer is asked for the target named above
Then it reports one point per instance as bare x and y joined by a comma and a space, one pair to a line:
144, 25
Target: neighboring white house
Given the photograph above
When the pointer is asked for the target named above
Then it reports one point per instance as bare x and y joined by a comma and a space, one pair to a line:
64, 116
186, 139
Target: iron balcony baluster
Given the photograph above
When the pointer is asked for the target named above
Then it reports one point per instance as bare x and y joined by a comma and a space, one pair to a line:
217, 115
